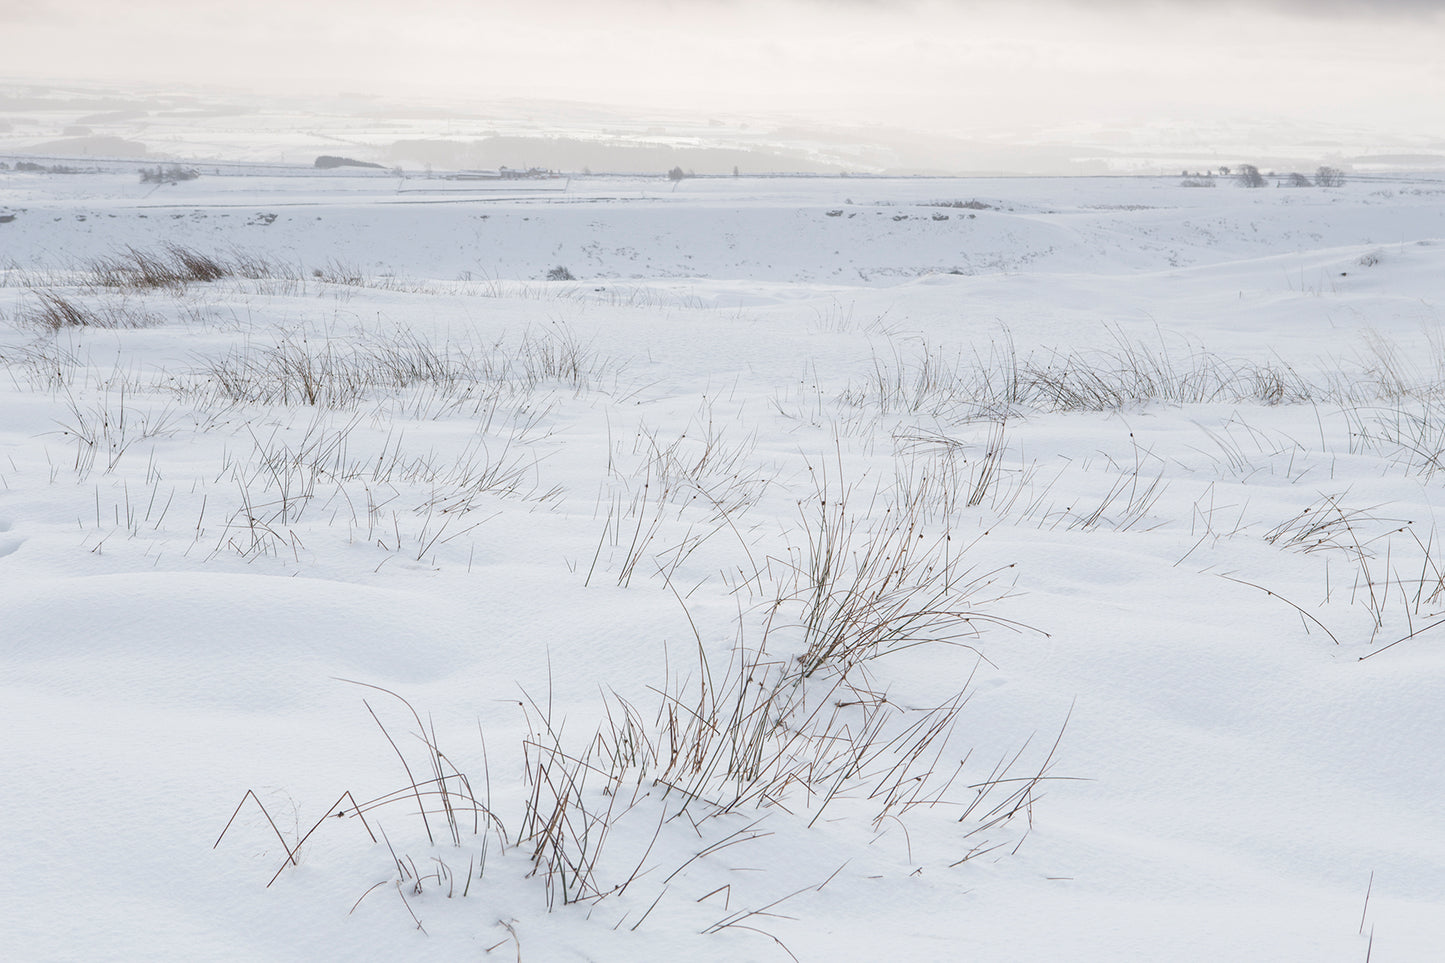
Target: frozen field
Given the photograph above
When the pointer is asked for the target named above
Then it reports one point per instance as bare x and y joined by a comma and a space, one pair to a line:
842, 568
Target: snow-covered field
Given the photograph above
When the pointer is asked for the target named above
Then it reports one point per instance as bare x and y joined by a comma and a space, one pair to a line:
829, 569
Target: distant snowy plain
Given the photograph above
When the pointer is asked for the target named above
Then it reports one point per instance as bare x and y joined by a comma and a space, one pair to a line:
829, 569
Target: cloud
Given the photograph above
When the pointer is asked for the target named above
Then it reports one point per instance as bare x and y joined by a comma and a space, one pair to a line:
1306, 9
27, 13
933, 64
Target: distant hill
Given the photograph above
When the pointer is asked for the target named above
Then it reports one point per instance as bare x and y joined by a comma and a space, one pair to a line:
89, 146
576, 154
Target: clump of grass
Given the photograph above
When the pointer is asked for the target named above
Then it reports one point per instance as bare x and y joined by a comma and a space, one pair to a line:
939, 475
105, 430
555, 355
53, 311
1136, 373
446, 806
1138, 484
1000, 382
171, 267
56, 312
336, 271
293, 372
257, 267
45, 365
1368, 543
701, 476
879, 580
323, 373
930, 383
754, 738
278, 482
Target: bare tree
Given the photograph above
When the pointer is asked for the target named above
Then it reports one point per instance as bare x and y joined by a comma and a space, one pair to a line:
1329, 177
1249, 176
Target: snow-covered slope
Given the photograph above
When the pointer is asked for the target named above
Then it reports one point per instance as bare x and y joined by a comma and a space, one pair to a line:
820, 571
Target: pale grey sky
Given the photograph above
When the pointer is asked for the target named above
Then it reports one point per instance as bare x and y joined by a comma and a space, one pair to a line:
944, 65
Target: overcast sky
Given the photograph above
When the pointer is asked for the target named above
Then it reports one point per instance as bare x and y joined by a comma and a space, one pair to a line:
946, 65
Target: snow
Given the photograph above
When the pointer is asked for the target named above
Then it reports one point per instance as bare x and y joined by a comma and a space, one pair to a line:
628, 469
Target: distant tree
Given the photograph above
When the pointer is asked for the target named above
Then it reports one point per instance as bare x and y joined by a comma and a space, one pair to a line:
675, 175
1329, 177
328, 162
1223, 171
560, 273
173, 174
1297, 179
1249, 176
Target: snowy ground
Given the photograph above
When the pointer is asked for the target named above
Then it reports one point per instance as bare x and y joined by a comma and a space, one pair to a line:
821, 572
